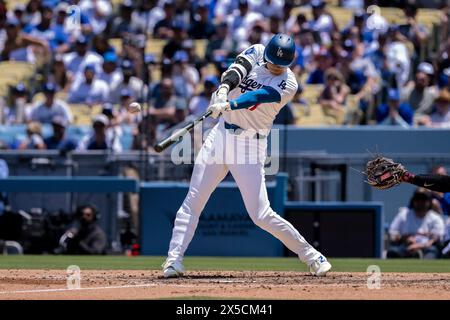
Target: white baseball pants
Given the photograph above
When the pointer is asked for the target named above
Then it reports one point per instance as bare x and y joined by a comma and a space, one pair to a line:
244, 156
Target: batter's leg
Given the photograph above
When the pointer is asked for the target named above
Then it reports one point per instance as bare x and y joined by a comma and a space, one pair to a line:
251, 182
205, 178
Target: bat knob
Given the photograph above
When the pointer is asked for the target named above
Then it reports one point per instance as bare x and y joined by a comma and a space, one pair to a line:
158, 148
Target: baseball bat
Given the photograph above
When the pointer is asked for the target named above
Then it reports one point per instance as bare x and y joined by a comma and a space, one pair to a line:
175, 137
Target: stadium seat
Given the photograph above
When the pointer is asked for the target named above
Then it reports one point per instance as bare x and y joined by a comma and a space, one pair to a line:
155, 47
82, 114
311, 92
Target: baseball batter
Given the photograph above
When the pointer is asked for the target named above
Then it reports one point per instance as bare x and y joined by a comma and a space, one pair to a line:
252, 92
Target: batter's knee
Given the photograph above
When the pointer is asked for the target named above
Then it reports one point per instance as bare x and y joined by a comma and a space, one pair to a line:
195, 202
263, 219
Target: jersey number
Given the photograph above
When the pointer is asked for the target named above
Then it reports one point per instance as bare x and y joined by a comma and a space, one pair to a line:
282, 85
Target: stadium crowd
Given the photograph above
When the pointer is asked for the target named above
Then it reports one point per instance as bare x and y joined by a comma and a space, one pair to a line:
101, 54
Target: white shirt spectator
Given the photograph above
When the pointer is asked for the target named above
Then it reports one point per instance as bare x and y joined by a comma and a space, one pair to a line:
242, 25
399, 61
44, 114
135, 86
75, 64
324, 23
140, 19
82, 92
406, 222
268, 8
224, 8
113, 80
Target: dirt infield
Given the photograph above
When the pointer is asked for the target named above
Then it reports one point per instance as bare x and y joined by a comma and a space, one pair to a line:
114, 284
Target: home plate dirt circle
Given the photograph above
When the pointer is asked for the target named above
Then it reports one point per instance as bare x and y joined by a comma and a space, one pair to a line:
149, 284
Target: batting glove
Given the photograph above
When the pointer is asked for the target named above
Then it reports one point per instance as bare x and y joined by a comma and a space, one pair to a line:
218, 108
220, 95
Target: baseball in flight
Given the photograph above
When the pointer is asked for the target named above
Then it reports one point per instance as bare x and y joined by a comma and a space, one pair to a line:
134, 107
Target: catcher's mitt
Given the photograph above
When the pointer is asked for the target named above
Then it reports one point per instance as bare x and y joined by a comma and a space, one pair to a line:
384, 173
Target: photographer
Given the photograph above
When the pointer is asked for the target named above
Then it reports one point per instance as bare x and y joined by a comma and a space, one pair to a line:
85, 236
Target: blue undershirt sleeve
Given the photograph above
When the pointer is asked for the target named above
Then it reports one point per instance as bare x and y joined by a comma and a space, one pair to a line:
264, 95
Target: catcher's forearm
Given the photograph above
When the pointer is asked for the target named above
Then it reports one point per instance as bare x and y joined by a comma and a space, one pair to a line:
434, 182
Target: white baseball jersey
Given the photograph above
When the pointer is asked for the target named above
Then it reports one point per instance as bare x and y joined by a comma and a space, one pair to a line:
260, 117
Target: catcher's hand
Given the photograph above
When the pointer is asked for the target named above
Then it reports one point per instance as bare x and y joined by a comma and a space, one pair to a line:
384, 173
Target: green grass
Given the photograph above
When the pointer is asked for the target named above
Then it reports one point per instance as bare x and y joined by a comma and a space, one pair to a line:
216, 263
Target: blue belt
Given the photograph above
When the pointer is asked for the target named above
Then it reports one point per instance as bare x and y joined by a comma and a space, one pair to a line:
237, 130
231, 126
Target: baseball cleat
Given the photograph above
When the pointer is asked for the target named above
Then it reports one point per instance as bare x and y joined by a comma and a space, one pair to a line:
173, 269
320, 267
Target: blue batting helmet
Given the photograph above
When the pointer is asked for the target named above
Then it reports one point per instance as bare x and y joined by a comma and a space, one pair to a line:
280, 50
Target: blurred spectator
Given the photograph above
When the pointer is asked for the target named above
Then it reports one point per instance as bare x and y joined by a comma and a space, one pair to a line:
130, 82
308, 48
17, 112
101, 11
48, 31
296, 24
163, 28
441, 201
101, 138
45, 111
446, 250
33, 139
336, 48
122, 24
76, 61
175, 43
202, 27
164, 104
440, 118
184, 77
421, 92
144, 135
58, 140
416, 231
394, 112
90, 90
358, 27
363, 71
446, 76
33, 12
110, 74
240, 22
114, 120
323, 62
268, 8
413, 30
20, 46
220, 45
257, 35
322, 22
333, 97
147, 15
200, 102
85, 236
398, 55
4, 173
58, 74
443, 56
101, 45
79, 22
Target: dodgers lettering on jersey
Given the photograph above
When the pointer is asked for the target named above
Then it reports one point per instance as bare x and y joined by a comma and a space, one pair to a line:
261, 116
